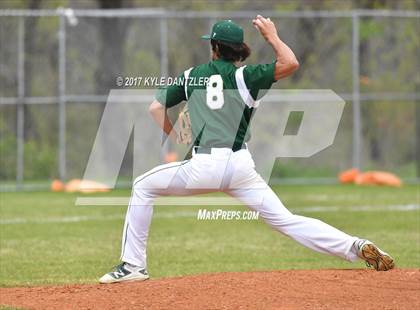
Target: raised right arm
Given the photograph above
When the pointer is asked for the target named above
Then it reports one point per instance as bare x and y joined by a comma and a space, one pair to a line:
286, 62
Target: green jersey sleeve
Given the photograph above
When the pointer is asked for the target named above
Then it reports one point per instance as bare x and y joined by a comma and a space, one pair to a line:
258, 77
172, 95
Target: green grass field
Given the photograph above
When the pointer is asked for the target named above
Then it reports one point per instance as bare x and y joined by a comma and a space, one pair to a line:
46, 239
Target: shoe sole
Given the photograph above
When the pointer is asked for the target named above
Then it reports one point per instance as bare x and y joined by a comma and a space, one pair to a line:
128, 280
380, 261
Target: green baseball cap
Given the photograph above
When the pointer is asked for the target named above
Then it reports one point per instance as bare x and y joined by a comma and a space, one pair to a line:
226, 30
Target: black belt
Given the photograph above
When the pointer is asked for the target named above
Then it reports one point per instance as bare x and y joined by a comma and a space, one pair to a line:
207, 150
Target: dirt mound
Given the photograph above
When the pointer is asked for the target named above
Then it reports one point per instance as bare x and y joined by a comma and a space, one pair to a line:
288, 289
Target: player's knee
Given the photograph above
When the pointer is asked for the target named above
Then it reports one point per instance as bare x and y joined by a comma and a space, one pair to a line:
141, 187
139, 184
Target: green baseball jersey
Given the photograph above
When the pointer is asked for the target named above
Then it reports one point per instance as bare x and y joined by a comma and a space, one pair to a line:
221, 100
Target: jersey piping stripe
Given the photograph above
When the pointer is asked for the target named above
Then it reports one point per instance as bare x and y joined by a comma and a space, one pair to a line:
186, 75
243, 90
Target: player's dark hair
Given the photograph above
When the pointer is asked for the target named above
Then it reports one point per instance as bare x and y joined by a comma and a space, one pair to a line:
231, 51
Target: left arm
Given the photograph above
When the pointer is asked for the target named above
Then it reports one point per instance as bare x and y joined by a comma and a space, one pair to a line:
167, 98
160, 116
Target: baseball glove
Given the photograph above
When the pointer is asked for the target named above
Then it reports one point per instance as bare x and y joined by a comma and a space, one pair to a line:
184, 132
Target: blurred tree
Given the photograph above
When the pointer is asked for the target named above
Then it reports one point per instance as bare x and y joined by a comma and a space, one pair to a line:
374, 149
99, 49
417, 136
376, 49
31, 25
112, 35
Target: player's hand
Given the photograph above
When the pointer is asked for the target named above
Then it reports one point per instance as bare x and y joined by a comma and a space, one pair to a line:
266, 27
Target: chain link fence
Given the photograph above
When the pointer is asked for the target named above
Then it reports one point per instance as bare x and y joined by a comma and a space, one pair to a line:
57, 66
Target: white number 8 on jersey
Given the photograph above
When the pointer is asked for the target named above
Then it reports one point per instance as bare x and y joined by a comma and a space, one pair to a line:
214, 98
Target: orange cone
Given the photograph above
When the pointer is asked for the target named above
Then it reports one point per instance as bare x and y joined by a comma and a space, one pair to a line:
57, 186
348, 176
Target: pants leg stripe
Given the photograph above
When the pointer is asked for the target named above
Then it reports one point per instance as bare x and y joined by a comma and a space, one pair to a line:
125, 239
163, 168
129, 204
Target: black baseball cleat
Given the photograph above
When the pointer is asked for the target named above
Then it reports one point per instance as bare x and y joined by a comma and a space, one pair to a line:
373, 256
125, 272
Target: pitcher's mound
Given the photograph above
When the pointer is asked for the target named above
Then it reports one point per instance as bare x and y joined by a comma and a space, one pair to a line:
288, 289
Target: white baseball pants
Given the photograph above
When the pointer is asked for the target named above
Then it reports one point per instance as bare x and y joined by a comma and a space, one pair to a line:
232, 173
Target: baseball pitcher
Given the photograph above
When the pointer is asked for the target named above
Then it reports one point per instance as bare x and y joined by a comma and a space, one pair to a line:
217, 122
